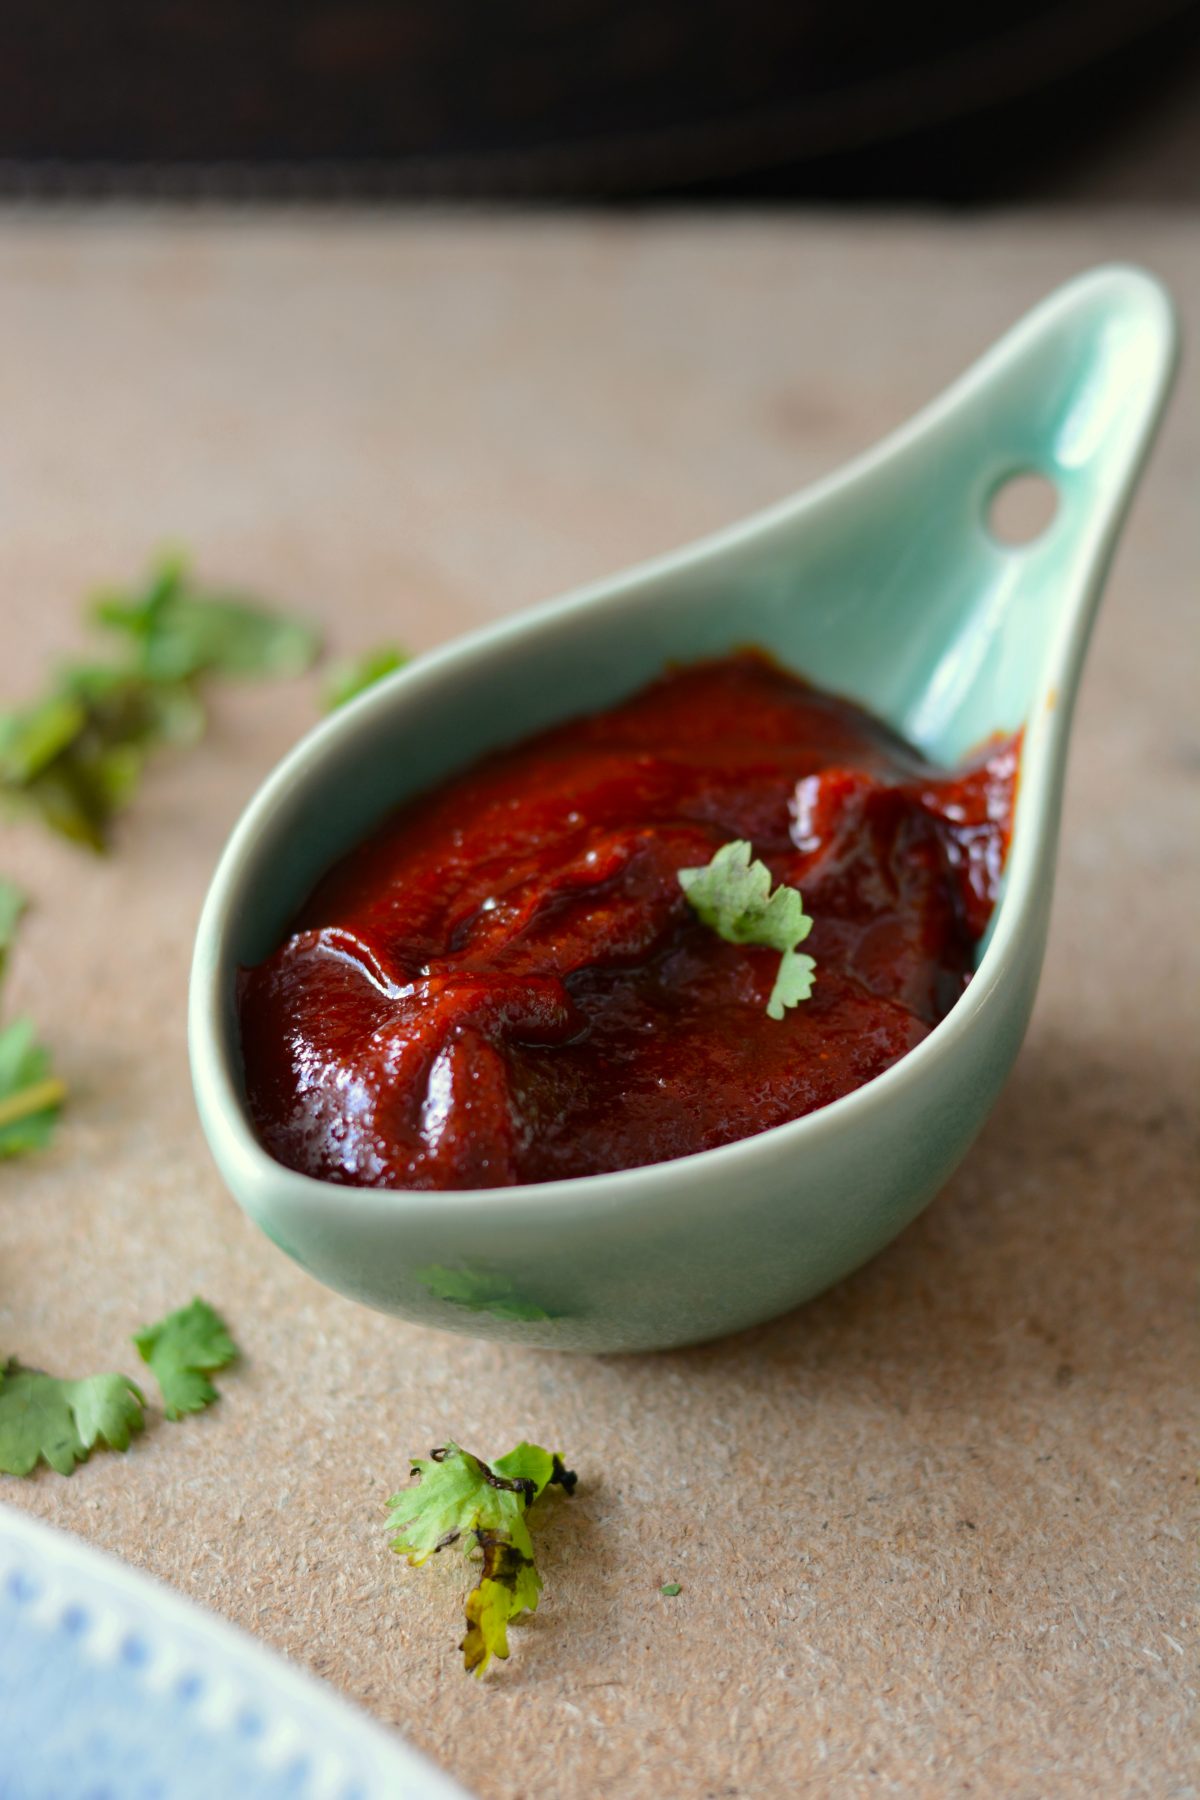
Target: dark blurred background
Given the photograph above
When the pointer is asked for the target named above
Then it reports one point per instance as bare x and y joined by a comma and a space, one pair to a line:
603, 99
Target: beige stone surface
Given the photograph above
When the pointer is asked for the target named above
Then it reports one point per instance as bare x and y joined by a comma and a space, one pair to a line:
933, 1531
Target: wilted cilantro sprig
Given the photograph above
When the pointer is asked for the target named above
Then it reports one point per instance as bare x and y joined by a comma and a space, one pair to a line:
31, 1095
457, 1498
732, 895
73, 757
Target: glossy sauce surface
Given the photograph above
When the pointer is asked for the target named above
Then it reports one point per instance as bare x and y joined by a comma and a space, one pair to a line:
506, 984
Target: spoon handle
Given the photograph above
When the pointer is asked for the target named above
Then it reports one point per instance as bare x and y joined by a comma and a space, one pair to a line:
1071, 395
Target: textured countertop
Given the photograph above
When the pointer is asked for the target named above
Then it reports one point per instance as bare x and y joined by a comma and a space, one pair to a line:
931, 1531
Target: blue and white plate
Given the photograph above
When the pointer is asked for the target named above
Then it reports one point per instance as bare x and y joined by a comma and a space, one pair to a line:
114, 1688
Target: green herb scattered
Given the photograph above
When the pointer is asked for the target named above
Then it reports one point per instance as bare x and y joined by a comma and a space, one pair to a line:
12, 905
58, 1422
74, 756
459, 1497
176, 630
31, 1095
183, 1350
732, 895
348, 679
670, 1589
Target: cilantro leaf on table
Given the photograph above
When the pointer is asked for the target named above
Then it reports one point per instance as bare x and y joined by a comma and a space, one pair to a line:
732, 895
43, 1418
12, 906
176, 629
73, 757
31, 1095
182, 1351
346, 680
456, 1497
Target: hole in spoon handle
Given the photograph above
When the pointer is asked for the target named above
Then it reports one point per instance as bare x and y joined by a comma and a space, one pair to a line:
1020, 508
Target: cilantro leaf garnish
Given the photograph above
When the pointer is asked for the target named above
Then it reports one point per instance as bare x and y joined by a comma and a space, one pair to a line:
30, 1093
732, 895
356, 674
57, 1422
183, 1350
459, 1497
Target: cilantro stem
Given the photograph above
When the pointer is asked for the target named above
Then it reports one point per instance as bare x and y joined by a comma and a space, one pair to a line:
34, 1099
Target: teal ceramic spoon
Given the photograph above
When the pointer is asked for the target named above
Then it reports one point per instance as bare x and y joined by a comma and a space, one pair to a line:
883, 583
